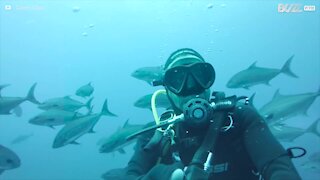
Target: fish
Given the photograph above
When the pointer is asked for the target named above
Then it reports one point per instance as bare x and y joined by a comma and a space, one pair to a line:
65, 103
313, 163
149, 74
8, 159
54, 117
289, 134
145, 101
7, 104
118, 140
78, 127
85, 90
282, 107
255, 75
75, 9
21, 138
209, 6
118, 173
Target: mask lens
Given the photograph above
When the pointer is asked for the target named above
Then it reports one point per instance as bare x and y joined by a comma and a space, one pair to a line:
174, 79
204, 74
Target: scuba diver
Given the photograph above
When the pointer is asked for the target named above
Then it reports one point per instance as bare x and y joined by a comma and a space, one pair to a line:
206, 135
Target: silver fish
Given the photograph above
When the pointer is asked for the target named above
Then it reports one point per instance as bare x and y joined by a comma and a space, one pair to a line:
21, 138
54, 117
85, 90
64, 103
117, 141
289, 134
78, 127
8, 159
313, 163
149, 74
282, 107
7, 104
145, 101
117, 173
258, 75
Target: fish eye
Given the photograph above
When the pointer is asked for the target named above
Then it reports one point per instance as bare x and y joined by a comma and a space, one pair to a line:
9, 161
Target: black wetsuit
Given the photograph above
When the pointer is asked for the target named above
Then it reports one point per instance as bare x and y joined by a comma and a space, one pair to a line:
242, 151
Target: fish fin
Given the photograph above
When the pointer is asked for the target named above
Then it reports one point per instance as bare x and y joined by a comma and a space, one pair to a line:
67, 97
88, 104
75, 142
105, 110
90, 110
30, 97
126, 123
286, 68
246, 87
253, 65
80, 95
17, 111
267, 83
313, 128
3, 86
52, 127
121, 151
276, 94
251, 99
91, 131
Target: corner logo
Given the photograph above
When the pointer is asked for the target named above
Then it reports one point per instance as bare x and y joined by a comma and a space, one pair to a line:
7, 7
295, 8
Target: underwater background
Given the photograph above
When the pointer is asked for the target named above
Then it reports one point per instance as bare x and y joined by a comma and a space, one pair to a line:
62, 45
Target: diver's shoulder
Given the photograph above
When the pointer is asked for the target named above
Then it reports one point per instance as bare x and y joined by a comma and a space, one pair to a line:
245, 110
244, 107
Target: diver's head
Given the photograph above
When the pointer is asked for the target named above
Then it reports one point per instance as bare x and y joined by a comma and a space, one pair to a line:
187, 76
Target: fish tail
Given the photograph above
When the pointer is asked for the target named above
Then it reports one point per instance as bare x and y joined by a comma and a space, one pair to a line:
30, 97
313, 128
105, 110
286, 68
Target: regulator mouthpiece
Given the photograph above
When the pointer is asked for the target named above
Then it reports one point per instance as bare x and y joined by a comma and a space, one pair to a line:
197, 112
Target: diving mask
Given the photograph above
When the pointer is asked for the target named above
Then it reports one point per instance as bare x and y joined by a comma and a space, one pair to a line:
185, 79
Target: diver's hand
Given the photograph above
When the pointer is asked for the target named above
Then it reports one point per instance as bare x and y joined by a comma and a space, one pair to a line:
163, 171
177, 174
191, 173
195, 173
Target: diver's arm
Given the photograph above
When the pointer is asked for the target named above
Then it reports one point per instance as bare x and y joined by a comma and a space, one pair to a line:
263, 148
142, 161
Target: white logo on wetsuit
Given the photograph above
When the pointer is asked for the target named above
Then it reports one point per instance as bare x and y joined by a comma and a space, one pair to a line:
219, 168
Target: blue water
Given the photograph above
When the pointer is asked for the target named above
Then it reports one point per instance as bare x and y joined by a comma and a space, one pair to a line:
48, 43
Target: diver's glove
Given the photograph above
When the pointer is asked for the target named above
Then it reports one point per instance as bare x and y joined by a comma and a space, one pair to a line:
162, 171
